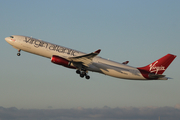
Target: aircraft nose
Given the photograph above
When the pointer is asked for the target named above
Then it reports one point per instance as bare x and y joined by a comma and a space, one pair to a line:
9, 40
6, 39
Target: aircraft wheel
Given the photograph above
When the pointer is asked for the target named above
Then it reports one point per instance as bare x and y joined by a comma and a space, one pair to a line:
84, 73
78, 71
18, 54
87, 77
81, 75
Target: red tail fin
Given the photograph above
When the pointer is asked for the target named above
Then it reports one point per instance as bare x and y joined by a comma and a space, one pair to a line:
160, 65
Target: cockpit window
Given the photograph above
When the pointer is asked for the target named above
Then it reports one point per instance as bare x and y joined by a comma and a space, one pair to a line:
11, 37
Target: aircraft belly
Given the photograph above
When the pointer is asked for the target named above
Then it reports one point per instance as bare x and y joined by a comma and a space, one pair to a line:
93, 68
123, 74
120, 72
39, 52
31, 49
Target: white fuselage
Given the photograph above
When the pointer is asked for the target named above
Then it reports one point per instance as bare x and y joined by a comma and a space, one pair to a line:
98, 64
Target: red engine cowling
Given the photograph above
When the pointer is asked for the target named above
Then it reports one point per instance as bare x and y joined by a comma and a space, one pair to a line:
61, 61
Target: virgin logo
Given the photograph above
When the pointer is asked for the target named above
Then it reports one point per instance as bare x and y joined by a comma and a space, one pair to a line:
154, 68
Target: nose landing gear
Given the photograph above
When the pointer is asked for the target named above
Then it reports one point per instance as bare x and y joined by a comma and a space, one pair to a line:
18, 54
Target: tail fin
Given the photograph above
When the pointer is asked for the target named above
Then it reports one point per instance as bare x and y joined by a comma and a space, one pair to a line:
160, 65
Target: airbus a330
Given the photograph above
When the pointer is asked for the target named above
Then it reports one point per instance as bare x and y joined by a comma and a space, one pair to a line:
83, 62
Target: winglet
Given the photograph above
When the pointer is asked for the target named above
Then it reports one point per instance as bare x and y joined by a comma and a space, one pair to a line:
98, 51
126, 62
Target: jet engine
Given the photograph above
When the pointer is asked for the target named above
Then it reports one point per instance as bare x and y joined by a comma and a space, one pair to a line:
61, 61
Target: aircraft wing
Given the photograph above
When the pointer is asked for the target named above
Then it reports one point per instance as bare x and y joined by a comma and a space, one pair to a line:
85, 60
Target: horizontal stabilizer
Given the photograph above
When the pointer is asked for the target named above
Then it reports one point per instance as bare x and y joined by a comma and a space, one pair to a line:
163, 78
156, 76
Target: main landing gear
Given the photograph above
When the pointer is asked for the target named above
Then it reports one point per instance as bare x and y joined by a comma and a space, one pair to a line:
83, 73
18, 54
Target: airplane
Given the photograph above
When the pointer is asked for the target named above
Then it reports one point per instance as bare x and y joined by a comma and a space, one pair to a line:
83, 62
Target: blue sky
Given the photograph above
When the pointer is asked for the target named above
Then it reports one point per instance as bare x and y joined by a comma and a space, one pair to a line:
139, 31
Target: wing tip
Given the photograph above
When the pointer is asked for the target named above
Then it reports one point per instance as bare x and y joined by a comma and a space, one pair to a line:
97, 51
